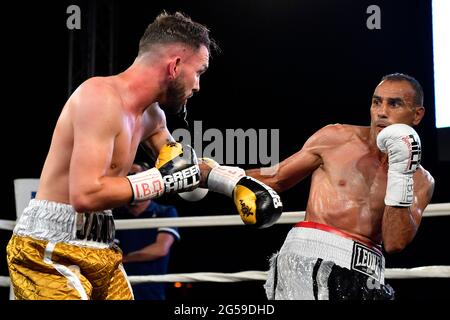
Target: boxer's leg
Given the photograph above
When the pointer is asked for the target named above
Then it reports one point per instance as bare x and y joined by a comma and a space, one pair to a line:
37, 274
119, 287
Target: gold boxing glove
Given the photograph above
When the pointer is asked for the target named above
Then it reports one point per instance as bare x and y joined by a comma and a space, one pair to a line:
258, 204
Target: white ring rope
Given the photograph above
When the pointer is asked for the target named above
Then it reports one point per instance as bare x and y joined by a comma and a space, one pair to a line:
201, 277
7, 224
394, 273
433, 210
419, 272
4, 281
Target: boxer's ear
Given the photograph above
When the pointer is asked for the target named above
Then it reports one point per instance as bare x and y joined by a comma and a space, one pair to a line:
419, 112
173, 68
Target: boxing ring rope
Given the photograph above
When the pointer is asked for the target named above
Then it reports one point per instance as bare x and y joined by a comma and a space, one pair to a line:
432, 210
394, 273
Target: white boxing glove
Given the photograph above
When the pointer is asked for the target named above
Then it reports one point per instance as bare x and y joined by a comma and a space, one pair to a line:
258, 205
402, 144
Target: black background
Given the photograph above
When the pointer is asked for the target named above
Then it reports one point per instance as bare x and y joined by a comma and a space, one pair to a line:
292, 65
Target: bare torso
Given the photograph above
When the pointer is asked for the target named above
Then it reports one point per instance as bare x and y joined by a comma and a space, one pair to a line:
348, 188
127, 131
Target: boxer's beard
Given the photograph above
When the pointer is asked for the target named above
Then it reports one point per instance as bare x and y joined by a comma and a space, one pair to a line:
175, 97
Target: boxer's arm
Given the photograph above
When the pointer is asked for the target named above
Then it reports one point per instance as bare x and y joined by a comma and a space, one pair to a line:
158, 134
290, 171
160, 248
400, 224
96, 118
177, 163
299, 165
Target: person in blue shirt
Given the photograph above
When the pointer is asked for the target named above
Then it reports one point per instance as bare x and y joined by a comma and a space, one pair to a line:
146, 251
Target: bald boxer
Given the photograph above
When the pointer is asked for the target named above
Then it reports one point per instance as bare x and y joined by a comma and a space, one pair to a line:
368, 192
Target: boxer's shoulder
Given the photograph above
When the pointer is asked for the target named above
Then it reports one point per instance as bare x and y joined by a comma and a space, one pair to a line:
334, 134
